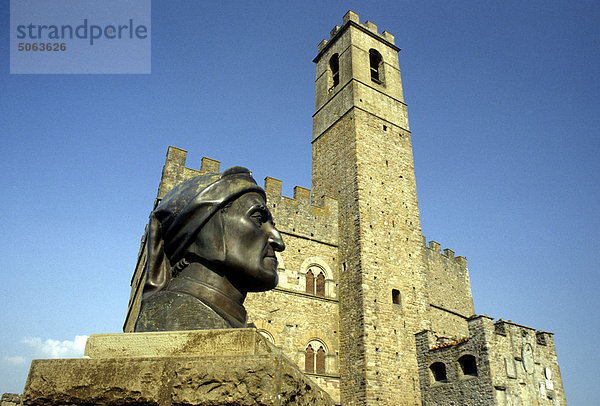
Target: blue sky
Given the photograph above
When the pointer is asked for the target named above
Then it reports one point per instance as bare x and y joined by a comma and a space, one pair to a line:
503, 107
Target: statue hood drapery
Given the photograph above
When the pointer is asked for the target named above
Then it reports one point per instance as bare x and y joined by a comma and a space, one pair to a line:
177, 220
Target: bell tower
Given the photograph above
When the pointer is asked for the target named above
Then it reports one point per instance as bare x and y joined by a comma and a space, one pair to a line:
362, 156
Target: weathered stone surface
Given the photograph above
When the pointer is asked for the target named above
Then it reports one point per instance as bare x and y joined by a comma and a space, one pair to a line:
498, 374
10, 399
177, 344
261, 376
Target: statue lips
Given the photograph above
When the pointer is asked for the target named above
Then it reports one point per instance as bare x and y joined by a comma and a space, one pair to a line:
270, 260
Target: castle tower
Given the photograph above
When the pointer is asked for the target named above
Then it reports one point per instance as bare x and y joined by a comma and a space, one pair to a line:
362, 156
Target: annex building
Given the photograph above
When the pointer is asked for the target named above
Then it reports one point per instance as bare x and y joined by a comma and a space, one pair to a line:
368, 309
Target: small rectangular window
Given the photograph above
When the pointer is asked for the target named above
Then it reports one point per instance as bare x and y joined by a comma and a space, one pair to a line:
396, 296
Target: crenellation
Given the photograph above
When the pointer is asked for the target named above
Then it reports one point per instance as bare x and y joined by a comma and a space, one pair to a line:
350, 16
389, 37
462, 261
448, 253
353, 18
449, 290
209, 165
322, 45
372, 27
273, 187
334, 31
435, 246
300, 217
301, 195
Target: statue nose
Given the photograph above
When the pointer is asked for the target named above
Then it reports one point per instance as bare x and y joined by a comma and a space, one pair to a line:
275, 239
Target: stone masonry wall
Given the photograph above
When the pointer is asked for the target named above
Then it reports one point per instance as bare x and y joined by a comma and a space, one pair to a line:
352, 358
515, 365
362, 156
524, 365
449, 287
392, 259
457, 388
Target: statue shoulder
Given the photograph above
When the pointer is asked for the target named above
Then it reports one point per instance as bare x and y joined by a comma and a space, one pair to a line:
173, 311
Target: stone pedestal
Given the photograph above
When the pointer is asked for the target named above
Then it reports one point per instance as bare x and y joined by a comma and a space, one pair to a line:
206, 367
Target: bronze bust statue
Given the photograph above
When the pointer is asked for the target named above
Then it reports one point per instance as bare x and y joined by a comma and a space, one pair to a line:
210, 241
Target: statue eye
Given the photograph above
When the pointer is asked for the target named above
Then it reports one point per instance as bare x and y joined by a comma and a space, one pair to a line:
260, 217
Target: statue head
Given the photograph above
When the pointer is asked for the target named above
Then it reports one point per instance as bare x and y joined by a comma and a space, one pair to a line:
219, 220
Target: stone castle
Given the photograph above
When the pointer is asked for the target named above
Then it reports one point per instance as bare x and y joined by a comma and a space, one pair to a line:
364, 306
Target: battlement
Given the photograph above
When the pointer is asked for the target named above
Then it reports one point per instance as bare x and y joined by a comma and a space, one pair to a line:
351, 18
302, 196
435, 247
300, 215
508, 328
480, 327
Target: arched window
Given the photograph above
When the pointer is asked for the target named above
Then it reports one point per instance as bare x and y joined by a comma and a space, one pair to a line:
320, 360
375, 64
315, 285
468, 365
334, 65
267, 335
314, 361
310, 283
320, 285
309, 359
438, 370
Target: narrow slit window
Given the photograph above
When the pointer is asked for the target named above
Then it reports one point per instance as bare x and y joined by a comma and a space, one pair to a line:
334, 65
395, 296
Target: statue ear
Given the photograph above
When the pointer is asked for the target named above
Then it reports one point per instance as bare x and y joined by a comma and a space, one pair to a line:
210, 241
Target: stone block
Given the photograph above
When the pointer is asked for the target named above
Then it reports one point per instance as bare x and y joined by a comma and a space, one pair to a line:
226, 367
243, 341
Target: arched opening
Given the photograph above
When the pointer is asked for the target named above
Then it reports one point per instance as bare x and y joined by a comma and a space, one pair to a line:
266, 335
320, 360
310, 283
375, 61
438, 369
334, 65
320, 285
309, 359
315, 285
314, 361
468, 365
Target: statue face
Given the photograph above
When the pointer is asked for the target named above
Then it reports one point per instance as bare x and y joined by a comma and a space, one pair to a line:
251, 240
